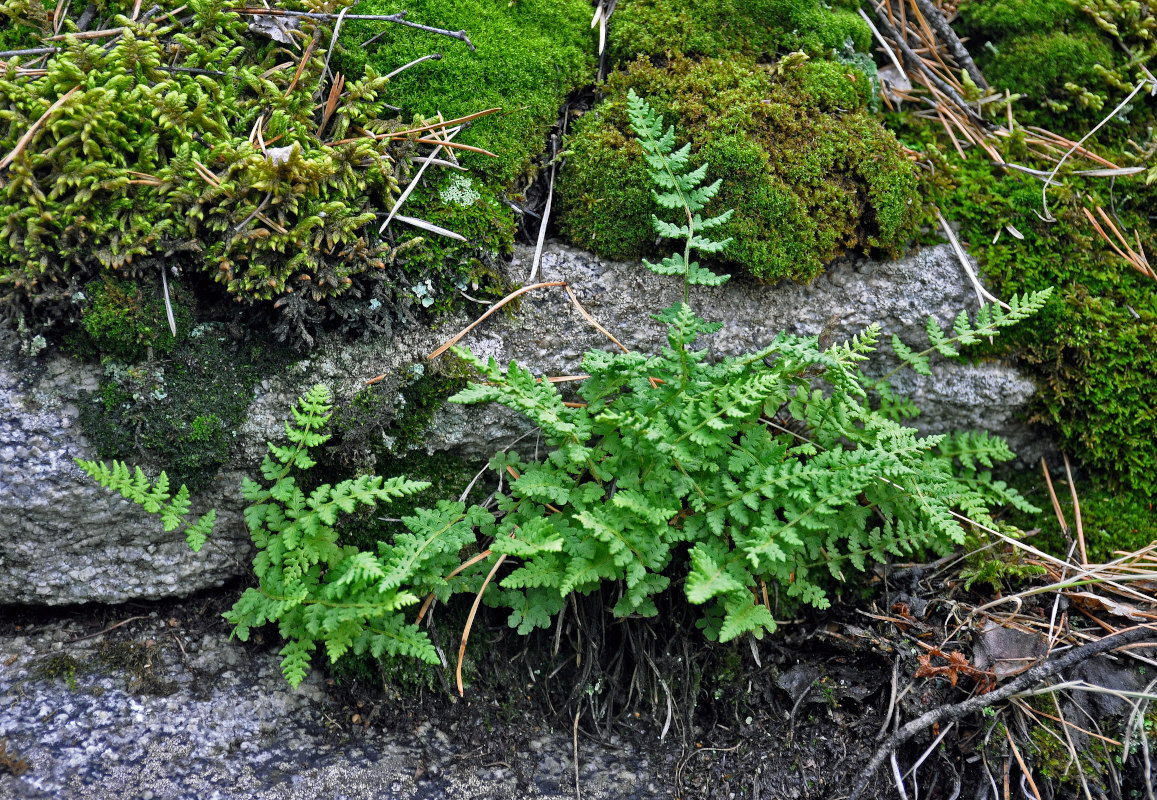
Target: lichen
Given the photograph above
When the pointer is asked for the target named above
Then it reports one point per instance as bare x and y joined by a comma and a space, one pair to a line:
808, 169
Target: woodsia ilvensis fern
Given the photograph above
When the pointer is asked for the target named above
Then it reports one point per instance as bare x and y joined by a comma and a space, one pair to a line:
671, 472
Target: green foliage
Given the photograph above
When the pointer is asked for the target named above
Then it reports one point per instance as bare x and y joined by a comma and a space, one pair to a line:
788, 144
154, 497
720, 28
671, 451
672, 471
989, 320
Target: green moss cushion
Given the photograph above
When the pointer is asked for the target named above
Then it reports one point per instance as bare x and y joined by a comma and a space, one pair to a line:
808, 170
529, 55
719, 27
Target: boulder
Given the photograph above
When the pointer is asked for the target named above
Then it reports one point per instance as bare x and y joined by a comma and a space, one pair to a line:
66, 540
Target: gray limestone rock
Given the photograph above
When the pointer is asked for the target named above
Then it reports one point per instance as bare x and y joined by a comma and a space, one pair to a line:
66, 540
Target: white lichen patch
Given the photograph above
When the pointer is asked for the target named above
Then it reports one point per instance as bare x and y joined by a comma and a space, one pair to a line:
460, 192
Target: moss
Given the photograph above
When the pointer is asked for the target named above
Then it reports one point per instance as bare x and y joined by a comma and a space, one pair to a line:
1093, 349
1040, 64
1054, 53
1002, 18
725, 27
61, 668
442, 268
529, 55
1112, 521
808, 170
124, 320
179, 413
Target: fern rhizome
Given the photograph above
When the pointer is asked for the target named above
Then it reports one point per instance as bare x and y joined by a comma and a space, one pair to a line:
673, 469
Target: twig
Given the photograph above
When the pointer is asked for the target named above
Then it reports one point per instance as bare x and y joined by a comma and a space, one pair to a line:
917, 62
106, 630
1035, 675
936, 18
454, 339
31, 51
397, 19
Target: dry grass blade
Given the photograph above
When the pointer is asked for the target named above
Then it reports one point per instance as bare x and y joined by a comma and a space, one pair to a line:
1047, 217
467, 147
982, 294
413, 184
1076, 512
470, 622
429, 226
31, 132
1024, 770
434, 125
85, 35
458, 336
1135, 260
331, 102
301, 66
591, 319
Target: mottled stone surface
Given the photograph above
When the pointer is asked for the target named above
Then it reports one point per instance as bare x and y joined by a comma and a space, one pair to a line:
211, 719
550, 336
65, 540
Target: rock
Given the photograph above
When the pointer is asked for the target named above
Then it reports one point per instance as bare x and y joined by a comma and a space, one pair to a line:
69, 541
550, 336
213, 718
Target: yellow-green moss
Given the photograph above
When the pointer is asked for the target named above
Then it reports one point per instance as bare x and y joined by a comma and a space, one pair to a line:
529, 55
809, 171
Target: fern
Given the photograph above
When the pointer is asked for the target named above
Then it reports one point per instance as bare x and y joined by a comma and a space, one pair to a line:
154, 497
720, 477
681, 192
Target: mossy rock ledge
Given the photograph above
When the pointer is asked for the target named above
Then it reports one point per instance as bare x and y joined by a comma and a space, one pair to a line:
67, 540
